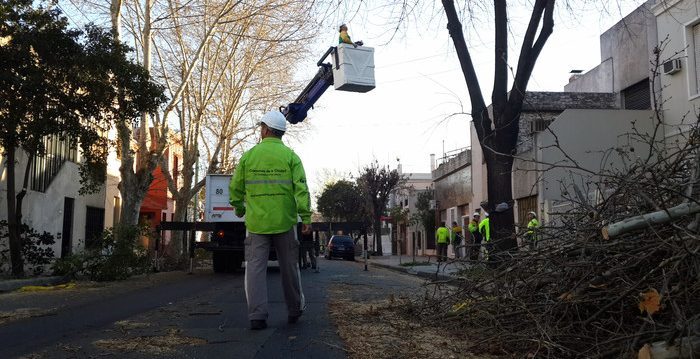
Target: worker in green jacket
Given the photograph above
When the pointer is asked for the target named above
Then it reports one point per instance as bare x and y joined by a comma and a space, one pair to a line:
442, 238
475, 236
485, 230
269, 188
344, 37
533, 226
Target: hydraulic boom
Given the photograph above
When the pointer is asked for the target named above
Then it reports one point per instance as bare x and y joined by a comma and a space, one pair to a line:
296, 111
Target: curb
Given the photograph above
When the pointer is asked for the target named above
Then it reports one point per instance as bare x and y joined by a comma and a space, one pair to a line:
14, 284
410, 271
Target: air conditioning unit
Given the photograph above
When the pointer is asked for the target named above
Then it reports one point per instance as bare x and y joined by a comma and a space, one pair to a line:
672, 66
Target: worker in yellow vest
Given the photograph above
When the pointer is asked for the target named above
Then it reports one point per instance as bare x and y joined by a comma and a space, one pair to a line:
476, 237
442, 238
344, 37
456, 236
485, 230
533, 226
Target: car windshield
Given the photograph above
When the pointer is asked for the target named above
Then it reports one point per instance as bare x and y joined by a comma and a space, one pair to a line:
342, 240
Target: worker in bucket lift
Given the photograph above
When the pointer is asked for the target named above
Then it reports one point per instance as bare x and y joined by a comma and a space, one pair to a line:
344, 38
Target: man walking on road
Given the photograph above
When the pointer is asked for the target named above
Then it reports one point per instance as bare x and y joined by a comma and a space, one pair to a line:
269, 188
442, 237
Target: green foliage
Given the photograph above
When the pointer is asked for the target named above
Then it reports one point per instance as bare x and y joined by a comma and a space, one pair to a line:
399, 214
343, 201
376, 183
424, 215
36, 248
67, 83
116, 255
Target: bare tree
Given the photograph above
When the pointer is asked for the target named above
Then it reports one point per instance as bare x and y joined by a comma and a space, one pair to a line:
497, 129
222, 62
236, 78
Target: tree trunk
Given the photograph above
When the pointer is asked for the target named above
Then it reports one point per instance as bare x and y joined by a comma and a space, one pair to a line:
132, 199
178, 216
378, 236
115, 10
13, 226
499, 179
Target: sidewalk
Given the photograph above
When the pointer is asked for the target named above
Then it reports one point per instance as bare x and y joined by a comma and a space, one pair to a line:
428, 267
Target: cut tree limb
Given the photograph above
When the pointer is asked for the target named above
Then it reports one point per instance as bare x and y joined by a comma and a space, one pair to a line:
649, 219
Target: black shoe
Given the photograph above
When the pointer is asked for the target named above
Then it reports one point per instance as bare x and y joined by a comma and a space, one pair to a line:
258, 324
293, 318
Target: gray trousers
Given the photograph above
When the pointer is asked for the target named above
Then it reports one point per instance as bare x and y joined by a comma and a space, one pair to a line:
257, 248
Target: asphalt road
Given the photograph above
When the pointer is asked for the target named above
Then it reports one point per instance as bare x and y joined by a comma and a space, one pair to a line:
176, 315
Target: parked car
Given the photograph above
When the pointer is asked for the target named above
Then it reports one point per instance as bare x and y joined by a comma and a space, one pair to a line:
341, 246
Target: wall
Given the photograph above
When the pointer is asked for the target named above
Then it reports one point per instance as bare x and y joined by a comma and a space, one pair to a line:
538, 105
680, 96
625, 50
454, 189
580, 137
598, 79
44, 211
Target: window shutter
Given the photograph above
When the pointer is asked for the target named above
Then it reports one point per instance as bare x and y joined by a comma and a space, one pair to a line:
696, 49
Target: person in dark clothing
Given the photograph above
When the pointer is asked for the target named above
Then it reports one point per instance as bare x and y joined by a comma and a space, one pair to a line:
308, 252
475, 236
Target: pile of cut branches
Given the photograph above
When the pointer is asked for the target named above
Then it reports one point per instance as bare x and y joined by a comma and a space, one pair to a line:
587, 292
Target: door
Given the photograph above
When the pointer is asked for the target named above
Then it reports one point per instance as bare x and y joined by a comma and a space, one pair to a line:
94, 225
67, 234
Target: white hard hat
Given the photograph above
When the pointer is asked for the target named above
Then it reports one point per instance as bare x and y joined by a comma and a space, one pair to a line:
532, 213
476, 214
276, 120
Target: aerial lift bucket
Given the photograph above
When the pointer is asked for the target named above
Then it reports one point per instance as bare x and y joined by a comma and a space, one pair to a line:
353, 68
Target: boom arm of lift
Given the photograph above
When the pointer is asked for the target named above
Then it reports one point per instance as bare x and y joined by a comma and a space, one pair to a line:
296, 111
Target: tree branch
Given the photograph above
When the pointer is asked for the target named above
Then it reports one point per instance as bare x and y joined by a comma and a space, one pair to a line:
479, 110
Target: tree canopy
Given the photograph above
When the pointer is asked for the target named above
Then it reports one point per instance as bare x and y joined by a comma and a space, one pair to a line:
65, 83
376, 183
343, 201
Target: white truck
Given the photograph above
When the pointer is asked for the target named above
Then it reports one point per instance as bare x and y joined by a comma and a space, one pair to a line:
226, 241
228, 230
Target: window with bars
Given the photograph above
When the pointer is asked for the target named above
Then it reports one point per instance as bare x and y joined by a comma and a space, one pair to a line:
45, 167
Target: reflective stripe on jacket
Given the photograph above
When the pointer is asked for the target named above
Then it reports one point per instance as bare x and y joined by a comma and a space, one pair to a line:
442, 235
269, 188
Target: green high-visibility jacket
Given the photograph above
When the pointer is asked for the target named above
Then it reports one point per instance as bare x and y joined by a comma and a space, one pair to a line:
532, 227
473, 226
442, 235
344, 38
485, 229
269, 188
